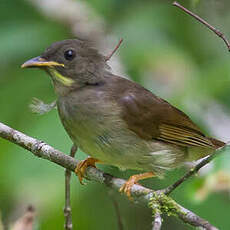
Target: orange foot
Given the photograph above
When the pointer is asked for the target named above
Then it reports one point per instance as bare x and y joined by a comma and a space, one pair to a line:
126, 187
82, 165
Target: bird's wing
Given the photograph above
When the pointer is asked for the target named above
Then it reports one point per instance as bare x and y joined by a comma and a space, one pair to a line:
151, 117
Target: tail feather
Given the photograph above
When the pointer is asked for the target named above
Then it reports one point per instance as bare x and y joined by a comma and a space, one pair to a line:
217, 144
196, 153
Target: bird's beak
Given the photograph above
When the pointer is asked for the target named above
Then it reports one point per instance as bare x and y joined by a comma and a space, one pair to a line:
40, 62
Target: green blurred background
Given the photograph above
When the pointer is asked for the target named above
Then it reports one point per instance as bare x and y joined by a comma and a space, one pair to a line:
165, 50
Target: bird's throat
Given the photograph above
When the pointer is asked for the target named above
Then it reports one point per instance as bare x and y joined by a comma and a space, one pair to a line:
66, 81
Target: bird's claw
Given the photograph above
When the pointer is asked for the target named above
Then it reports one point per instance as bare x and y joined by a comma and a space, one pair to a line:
127, 186
82, 165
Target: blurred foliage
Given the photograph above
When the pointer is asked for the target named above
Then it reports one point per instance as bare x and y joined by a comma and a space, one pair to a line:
166, 51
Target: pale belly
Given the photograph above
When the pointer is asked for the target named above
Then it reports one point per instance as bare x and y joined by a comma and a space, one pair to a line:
104, 136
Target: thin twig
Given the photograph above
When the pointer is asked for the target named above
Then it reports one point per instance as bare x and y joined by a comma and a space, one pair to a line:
67, 210
157, 221
212, 28
114, 50
192, 171
138, 192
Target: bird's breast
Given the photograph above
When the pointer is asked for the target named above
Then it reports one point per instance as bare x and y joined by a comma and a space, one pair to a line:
92, 123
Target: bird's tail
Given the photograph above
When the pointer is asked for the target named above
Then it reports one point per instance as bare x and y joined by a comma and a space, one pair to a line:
216, 142
200, 152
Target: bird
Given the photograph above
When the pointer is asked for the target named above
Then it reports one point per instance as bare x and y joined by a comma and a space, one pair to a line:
117, 121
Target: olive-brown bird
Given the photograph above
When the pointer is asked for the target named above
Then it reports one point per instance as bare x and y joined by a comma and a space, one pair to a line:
117, 121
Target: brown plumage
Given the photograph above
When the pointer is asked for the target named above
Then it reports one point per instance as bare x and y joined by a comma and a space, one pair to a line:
115, 120
151, 117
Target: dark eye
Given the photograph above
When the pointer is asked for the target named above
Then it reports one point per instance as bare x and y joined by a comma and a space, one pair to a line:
69, 55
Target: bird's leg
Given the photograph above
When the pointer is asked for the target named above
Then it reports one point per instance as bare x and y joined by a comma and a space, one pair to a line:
82, 165
126, 187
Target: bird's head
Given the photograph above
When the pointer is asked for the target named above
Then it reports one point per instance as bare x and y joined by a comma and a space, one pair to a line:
70, 63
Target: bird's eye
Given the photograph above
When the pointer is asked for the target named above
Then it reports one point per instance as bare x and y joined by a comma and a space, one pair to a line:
69, 55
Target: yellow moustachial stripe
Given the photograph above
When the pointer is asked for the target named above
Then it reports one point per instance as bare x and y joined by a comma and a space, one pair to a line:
64, 80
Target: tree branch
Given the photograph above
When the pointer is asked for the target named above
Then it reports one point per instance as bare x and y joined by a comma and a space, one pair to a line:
67, 209
139, 193
192, 171
157, 221
212, 28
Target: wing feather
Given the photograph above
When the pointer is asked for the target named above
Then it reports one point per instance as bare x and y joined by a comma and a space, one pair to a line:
151, 117
183, 137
